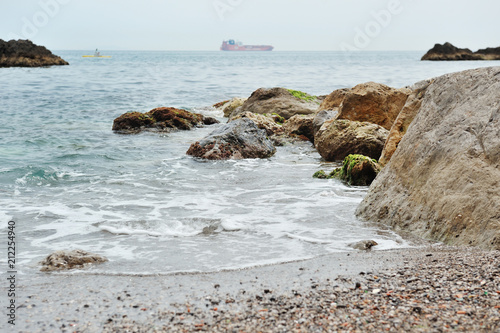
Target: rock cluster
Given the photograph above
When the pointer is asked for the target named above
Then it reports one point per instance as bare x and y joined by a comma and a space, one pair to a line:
448, 51
160, 119
64, 260
443, 180
23, 53
357, 120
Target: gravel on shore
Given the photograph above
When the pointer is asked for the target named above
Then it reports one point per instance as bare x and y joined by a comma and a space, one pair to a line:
431, 289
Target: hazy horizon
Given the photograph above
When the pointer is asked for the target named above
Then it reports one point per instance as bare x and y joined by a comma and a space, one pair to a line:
291, 25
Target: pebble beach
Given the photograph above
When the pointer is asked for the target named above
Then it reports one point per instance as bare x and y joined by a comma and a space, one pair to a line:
428, 289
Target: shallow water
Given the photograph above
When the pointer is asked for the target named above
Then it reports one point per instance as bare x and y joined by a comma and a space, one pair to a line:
69, 182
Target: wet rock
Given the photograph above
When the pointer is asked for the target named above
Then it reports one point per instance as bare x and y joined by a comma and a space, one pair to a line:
281, 101
272, 124
64, 260
373, 102
365, 245
356, 170
160, 119
443, 180
23, 53
404, 120
236, 140
300, 126
448, 51
338, 138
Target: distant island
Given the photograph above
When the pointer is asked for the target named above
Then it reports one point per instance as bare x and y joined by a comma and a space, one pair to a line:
24, 53
448, 51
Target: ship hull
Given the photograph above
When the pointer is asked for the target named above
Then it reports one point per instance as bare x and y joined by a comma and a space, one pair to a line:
248, 48
231, 45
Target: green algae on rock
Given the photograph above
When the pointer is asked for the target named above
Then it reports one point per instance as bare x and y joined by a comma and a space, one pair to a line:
304, 96
159, 119
356, 170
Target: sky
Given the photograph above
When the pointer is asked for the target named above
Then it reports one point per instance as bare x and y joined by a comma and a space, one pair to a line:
302, 25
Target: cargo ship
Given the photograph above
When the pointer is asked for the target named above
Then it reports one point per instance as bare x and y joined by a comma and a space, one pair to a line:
231, 45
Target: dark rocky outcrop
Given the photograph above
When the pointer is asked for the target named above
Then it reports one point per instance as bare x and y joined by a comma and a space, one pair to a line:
64, 260
448, 51
338, 138
160, 119
238, 139
23, 53
443, 181
281, 101
356, 170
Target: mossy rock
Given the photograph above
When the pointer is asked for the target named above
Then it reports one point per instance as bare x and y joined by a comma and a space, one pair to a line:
303, 96
159, 119
356, 170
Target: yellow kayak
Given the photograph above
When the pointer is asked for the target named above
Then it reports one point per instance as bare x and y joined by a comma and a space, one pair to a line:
93, 56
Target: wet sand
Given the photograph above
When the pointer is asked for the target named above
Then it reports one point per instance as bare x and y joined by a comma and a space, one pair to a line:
430, 289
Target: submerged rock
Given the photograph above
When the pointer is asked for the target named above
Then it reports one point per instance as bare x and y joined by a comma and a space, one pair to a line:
356, 170
448, 51
64, 260
338, 138
23, 53
236, 140
365, 245
160, 119
284, 102
443, 181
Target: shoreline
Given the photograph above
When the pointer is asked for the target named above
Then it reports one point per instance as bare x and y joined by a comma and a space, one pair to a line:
284, 297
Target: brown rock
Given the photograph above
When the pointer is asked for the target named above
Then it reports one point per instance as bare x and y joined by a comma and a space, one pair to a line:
286, 103
338, 138
403, 121
334, 100
321, 117
443, 181
300, 126
64, 260
373, 102
159, 119
23, 53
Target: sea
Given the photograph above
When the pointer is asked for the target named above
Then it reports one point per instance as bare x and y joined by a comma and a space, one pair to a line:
67, 181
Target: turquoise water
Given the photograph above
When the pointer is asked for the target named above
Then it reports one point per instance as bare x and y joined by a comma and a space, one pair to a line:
70, 182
